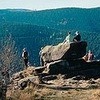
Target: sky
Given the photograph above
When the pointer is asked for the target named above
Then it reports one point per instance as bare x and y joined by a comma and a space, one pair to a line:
47, 4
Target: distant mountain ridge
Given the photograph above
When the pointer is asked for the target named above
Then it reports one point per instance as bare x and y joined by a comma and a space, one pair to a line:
35, 29
56, 18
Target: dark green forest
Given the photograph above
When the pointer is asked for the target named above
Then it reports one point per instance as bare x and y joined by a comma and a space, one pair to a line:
35, 29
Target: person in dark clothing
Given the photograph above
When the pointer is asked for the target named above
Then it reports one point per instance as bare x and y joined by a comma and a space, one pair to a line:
77, 37
25, 57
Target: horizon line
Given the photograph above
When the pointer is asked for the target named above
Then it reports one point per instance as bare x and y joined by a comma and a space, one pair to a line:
48, 8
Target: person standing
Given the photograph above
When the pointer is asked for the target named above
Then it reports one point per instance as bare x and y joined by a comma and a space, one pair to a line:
41, 57
25, 57
77, 37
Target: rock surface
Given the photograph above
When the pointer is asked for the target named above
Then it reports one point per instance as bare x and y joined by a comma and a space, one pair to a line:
64, 68
66, 58
63, 51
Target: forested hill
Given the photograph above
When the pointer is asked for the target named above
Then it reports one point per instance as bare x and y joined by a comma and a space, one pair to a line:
34, 29
66, 18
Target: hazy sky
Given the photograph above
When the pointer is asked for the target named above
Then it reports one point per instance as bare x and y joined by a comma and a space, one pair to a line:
48, 4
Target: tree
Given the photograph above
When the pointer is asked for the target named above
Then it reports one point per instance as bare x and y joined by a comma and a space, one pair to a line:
9, 57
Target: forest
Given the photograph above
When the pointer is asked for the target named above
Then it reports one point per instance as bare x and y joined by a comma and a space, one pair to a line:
36, 29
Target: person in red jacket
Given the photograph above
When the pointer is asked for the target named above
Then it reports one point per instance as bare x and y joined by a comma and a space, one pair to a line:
90, 56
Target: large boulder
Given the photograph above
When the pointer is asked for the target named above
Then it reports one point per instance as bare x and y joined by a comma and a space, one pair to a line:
57, 67
63, 51
65, 67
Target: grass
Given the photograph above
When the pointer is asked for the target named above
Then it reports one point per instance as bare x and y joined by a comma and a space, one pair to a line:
42, 93
38, 92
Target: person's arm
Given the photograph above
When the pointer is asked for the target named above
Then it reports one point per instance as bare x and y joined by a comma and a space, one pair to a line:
74, 39
23, 54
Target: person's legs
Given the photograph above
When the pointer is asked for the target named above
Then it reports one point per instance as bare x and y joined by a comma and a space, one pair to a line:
26, 62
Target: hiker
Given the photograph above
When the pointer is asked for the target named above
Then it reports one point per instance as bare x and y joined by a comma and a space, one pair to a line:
41, 59
77, 37
25, 57
69, 38
90, 56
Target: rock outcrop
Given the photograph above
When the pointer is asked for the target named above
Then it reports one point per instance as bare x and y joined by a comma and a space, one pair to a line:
21, 79
63, 51
66, 58
61, 62
63, 57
